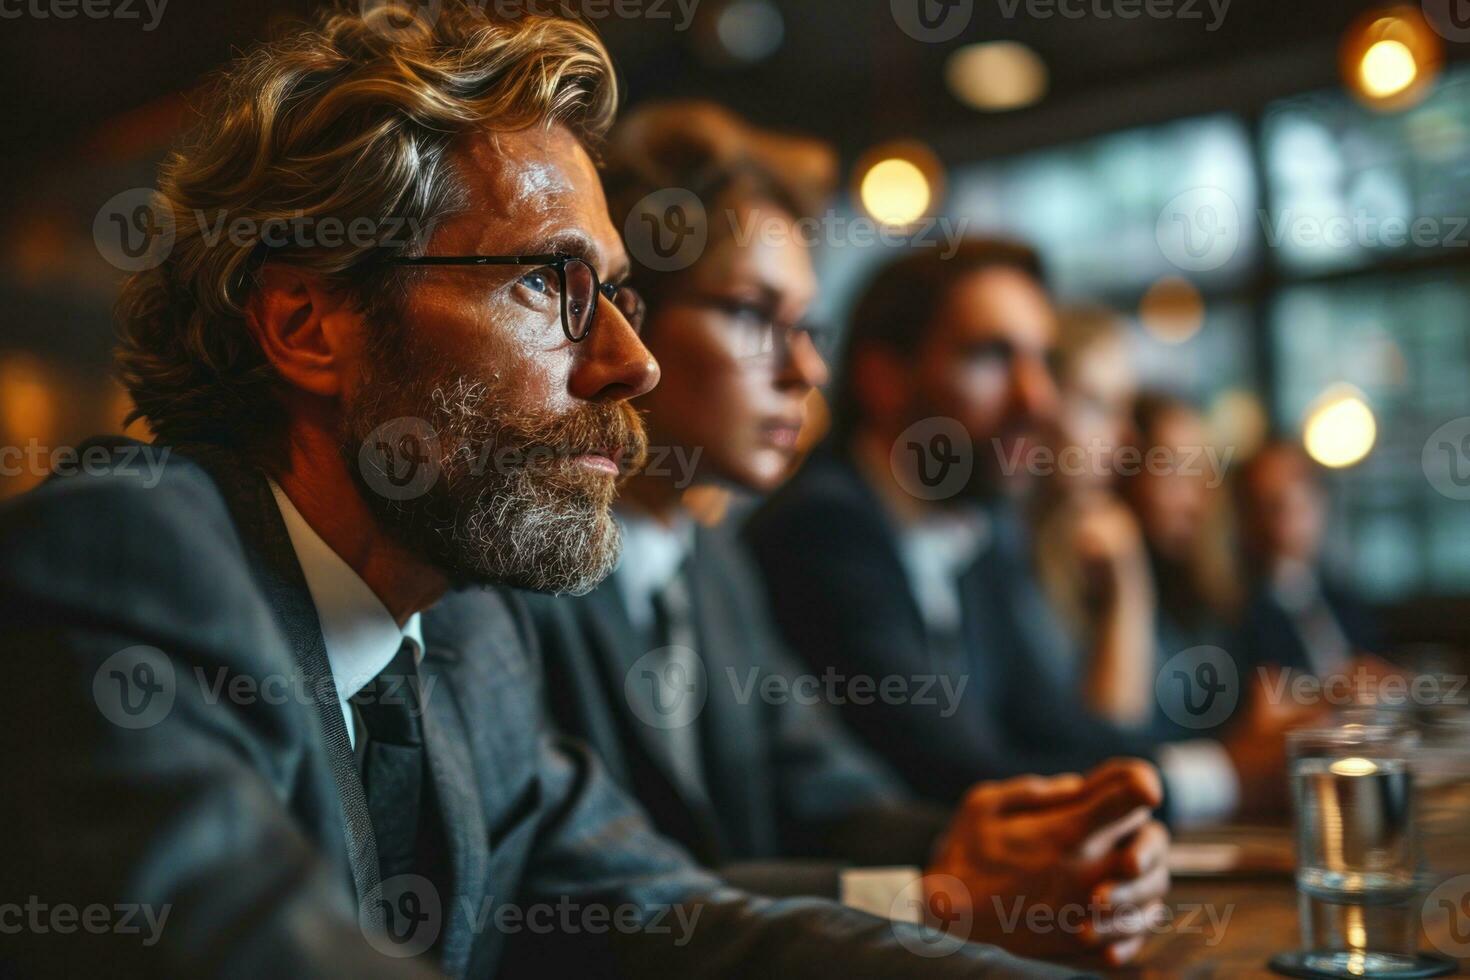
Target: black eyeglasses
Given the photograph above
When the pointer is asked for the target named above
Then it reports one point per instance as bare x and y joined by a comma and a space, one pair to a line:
577, 284
758, 335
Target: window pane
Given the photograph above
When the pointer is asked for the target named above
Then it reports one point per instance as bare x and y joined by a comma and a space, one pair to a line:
1093, 208
1404, 341
1349, 187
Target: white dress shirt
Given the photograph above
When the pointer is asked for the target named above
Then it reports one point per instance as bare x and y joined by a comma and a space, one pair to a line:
935, 551
360, 635
935, 547
1297, 587
652, 555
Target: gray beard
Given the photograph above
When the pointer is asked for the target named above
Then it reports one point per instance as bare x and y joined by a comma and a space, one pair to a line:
504, 509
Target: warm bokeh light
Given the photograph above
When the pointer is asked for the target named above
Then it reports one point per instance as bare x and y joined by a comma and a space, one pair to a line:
996, 75
1387, 68
28, 399
1390, 58
1237, 418
1340, 429
1354, 766
1172, 310
895, 190
32, 417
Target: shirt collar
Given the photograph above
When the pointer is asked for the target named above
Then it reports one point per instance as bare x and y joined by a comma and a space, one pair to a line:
946, 538
652, 554
360, 635
935, 544
1295, 585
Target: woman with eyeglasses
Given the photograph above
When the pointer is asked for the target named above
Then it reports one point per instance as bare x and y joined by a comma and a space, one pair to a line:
671, 668
710, 208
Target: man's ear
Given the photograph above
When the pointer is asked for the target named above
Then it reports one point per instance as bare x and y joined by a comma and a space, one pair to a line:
307, 330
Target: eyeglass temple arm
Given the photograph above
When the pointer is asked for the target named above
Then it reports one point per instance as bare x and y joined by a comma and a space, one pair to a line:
480, 260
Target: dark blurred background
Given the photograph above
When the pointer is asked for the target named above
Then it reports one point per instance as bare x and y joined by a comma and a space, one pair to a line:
1195, 165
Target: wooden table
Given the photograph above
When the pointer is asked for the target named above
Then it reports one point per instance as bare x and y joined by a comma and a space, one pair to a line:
1230, 927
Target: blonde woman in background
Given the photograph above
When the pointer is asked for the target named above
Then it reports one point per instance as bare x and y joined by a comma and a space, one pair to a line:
1090, 551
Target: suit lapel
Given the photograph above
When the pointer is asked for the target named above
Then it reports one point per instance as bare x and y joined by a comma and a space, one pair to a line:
275, 566
1017, 596
832, 466
618, 647
460, 806
722, 727
482, 738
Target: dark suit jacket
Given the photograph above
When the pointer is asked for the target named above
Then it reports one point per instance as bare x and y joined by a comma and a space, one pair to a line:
782, 779
1267, 634
840, 595
241, 814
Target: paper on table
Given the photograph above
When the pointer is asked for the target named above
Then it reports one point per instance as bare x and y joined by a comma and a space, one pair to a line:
1204, 859
1266, 857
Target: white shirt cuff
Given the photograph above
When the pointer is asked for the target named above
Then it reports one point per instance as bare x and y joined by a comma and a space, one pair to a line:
877, 891
1203, 786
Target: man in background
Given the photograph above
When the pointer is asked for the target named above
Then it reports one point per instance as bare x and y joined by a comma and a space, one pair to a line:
1299, 613
899, 549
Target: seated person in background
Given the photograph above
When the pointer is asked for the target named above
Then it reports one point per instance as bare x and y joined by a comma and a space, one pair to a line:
1089, 550
897, 550
667, 667
1299, 614
1179, 506
267, 695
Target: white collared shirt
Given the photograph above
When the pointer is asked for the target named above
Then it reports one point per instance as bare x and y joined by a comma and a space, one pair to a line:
652, 555
360, 635
935, 549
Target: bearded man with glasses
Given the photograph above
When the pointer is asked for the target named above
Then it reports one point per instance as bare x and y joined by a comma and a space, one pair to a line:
278, 700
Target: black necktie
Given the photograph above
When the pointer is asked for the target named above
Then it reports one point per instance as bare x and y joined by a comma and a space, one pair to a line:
677, 675
394, 764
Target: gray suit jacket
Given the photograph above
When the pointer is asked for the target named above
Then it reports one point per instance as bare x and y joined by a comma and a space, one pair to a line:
174, 744
788, 797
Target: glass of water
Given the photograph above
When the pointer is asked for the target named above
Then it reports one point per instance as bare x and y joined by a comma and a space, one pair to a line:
1357, 853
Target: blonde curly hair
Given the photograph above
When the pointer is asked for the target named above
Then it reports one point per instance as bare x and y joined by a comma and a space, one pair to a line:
348, 118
